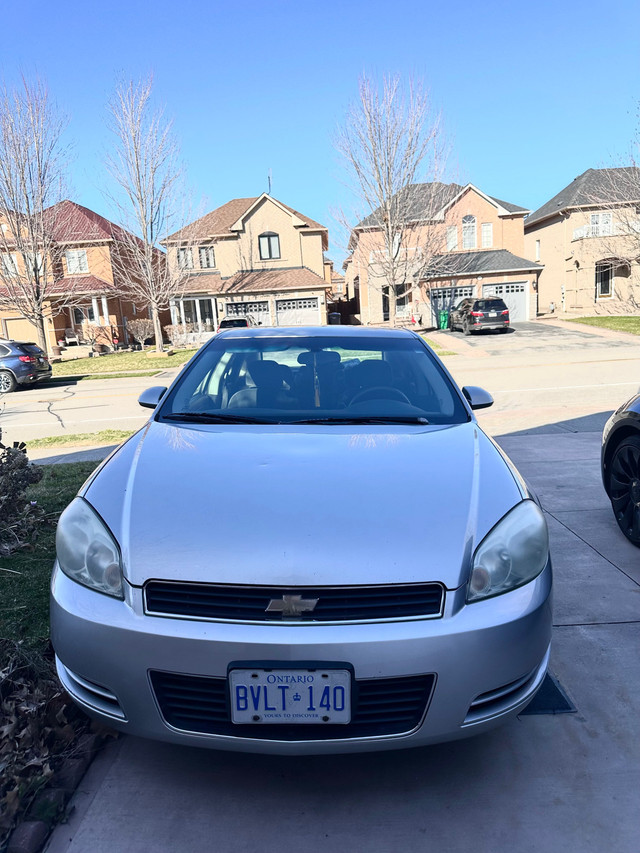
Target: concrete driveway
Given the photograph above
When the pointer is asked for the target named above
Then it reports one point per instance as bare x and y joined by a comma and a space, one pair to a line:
568, 782
559, 336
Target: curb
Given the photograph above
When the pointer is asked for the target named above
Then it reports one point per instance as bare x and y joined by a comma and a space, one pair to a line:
47, 810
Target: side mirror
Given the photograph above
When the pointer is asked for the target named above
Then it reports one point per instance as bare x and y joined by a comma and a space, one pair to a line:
478, 398
150, 398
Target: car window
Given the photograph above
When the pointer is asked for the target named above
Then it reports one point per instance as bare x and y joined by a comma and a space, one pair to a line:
32, 349
236, 323
4, 351
286, 379
490, 305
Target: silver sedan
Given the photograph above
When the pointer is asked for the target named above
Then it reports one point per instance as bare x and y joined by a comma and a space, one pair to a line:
310, 547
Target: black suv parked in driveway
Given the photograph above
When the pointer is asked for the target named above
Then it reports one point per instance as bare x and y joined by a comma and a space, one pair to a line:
472, 315
21, 363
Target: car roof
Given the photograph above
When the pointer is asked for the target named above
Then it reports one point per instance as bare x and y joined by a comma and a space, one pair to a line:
315, 332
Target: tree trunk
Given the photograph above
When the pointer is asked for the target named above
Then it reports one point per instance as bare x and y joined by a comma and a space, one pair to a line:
157, 328
43, 343
392, 305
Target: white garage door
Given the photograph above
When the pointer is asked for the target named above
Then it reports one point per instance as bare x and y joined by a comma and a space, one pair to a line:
448, 297
259, 311
515, 297
297, 312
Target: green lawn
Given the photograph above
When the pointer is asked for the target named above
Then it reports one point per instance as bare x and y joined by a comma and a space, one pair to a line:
74, 377
618, 324
120, 362
440, 351
25, 575
83, 439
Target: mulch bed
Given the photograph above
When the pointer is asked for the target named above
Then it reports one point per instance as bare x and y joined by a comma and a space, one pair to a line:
46, 745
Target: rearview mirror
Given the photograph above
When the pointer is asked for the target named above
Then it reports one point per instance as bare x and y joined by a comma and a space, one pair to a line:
150, 398
478, 398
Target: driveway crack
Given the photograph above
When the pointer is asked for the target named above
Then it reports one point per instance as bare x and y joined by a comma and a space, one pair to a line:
589, 545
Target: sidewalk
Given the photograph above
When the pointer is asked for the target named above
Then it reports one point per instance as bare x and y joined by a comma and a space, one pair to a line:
51, 456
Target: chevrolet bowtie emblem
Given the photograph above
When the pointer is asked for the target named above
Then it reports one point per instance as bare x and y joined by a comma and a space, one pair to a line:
291, 605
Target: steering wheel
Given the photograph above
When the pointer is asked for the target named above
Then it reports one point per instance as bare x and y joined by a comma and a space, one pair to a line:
380, 392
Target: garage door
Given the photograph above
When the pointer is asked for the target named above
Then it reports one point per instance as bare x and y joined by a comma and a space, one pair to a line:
447, 297
297, 312
259, 311
515, 297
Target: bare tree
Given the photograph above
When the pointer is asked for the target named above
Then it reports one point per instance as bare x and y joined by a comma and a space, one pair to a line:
145, 166
140, 329
33, 167
391, 142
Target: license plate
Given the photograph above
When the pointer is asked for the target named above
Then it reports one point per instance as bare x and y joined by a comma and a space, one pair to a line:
492, 314
291, 696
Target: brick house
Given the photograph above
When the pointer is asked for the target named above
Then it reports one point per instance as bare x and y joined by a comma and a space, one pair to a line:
587, 237
463, 242
253, 256
85, 290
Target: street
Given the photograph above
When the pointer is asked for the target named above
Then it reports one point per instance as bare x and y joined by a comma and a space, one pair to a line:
538, 374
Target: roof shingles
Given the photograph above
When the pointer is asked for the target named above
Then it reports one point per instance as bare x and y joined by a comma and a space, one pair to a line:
220, 220
593, 187
479, 263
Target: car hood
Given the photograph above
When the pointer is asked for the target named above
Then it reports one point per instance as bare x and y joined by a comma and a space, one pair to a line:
303, 505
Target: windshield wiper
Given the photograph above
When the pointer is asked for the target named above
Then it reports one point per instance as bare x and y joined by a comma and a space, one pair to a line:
210, 418
366, 419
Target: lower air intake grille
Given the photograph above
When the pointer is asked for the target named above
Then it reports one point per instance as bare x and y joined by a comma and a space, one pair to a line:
334, 604
382, 706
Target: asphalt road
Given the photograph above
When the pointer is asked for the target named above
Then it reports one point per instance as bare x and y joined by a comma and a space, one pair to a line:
539, 374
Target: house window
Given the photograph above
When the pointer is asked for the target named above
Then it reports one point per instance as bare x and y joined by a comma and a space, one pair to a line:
9, 264
487, 235
452, 238
86, 312
76, 261
207, 257
537, 250
269, 246
604, 280
468, 232
33, 262
185, 259
600, 224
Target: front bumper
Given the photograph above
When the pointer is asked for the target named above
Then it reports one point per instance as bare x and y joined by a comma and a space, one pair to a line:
488, 660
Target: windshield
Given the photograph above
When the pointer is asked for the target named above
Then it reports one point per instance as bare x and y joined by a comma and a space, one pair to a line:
282, 379
237, 323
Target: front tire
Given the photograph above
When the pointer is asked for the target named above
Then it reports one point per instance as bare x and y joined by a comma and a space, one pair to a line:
7, 382
465, 328
624, 487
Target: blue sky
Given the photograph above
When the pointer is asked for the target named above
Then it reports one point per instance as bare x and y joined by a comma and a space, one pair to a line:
531, 95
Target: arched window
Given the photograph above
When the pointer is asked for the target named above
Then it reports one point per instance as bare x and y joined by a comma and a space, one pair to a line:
269, 244
468, 232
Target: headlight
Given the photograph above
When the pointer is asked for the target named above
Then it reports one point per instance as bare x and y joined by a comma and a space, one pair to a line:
86, 550
512, 554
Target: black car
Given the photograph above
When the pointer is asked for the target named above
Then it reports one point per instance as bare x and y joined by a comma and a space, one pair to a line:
621, 467
21, 363
473, 315
245, 322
